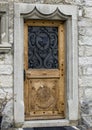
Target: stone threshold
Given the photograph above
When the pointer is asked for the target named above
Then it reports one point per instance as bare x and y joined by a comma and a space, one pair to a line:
53, 128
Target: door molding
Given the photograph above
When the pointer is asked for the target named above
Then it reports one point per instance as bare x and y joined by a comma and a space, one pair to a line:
67, 13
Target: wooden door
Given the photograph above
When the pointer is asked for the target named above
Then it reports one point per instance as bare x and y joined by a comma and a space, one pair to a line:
44, 69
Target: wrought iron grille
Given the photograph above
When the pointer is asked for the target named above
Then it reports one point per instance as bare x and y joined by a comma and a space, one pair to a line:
42, 47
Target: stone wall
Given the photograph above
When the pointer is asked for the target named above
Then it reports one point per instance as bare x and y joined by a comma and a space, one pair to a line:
84, 58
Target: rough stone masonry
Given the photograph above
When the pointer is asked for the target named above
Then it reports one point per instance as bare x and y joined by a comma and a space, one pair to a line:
84, 60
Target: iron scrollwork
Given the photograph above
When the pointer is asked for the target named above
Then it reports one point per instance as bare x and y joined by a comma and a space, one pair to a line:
42, 47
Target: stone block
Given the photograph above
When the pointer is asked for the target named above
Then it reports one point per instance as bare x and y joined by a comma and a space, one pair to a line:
8, 59
85, 81
87, 70
85, 61
88, 93
80, 70
75, 2
85, 31
85, 40
70, 1
6, 81
6, 92
84, 106
7, 120
32, 1
87, 120
82, 31
81, 50
53, 1
79, 2
88, 12
1, 62
88, 31
11, 34
90, 107
85, 22
6, 69
81, 93
2, 56
88, 2
88, 50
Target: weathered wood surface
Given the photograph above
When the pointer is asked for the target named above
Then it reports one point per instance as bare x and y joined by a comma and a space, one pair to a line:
44, 89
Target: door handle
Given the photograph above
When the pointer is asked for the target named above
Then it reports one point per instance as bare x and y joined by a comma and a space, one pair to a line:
24, 74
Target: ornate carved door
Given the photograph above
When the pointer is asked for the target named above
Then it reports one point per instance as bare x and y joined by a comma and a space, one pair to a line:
44, 69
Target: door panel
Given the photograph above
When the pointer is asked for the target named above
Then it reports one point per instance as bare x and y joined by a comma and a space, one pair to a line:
42, 73
44, 65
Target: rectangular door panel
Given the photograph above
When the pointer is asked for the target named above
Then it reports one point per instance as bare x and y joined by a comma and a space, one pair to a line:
44, 98
42, 73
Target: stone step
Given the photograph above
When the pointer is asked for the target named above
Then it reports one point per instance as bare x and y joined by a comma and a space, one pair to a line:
52, 128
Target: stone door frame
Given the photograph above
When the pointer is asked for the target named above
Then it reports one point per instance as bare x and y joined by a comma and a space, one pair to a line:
67, 13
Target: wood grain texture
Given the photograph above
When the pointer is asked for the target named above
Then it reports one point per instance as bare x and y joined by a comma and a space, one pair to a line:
43, 73
44, 89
